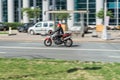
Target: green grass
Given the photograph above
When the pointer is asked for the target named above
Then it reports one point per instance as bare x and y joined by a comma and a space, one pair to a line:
48, 69
3, 32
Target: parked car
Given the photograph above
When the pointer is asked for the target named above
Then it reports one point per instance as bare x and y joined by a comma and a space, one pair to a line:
77, 27
24, 27
42, 28
3, 27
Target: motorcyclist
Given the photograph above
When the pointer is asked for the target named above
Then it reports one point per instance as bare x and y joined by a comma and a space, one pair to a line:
59, 32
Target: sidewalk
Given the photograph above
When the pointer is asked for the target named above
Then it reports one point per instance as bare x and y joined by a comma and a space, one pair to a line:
114, 37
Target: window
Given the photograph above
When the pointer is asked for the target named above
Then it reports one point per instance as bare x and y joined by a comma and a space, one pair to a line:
84, 1
92, 16
92, 1
51, 25
45, 24
0, 24
39, 25
92, 6
110, 0
92, 21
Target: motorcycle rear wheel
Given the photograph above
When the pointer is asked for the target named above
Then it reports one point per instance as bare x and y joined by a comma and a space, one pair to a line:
47, 42
68, 43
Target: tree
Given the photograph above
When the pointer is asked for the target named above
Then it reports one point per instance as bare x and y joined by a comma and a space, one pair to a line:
62, 16
100, 14
32, 13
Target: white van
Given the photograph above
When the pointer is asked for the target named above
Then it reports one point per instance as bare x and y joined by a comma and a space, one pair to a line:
42, 27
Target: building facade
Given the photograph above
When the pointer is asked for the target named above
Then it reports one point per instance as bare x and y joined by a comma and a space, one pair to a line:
10, 10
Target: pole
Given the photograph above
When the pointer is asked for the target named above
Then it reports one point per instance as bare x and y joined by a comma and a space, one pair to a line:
104, 33
34, 5
54, 8
87, 12
1, 11
10, 31
82, 24
19, 10
117, 8
53, 4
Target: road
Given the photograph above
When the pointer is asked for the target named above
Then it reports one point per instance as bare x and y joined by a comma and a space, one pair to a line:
85, 51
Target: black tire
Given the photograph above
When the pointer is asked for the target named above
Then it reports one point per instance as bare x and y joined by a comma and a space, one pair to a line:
68, 43
49, 32
47, 42
32, 32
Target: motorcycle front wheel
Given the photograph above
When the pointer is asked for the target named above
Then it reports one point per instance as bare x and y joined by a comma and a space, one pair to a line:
68, 42
47, 42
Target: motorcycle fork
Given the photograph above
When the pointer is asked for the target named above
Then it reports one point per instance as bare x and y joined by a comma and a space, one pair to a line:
48, 39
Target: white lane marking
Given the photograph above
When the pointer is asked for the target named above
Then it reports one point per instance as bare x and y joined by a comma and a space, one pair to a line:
28, 43
70, 49
114, 56
2, 52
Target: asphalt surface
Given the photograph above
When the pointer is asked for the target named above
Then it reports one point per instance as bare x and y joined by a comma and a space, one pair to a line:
85, 51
